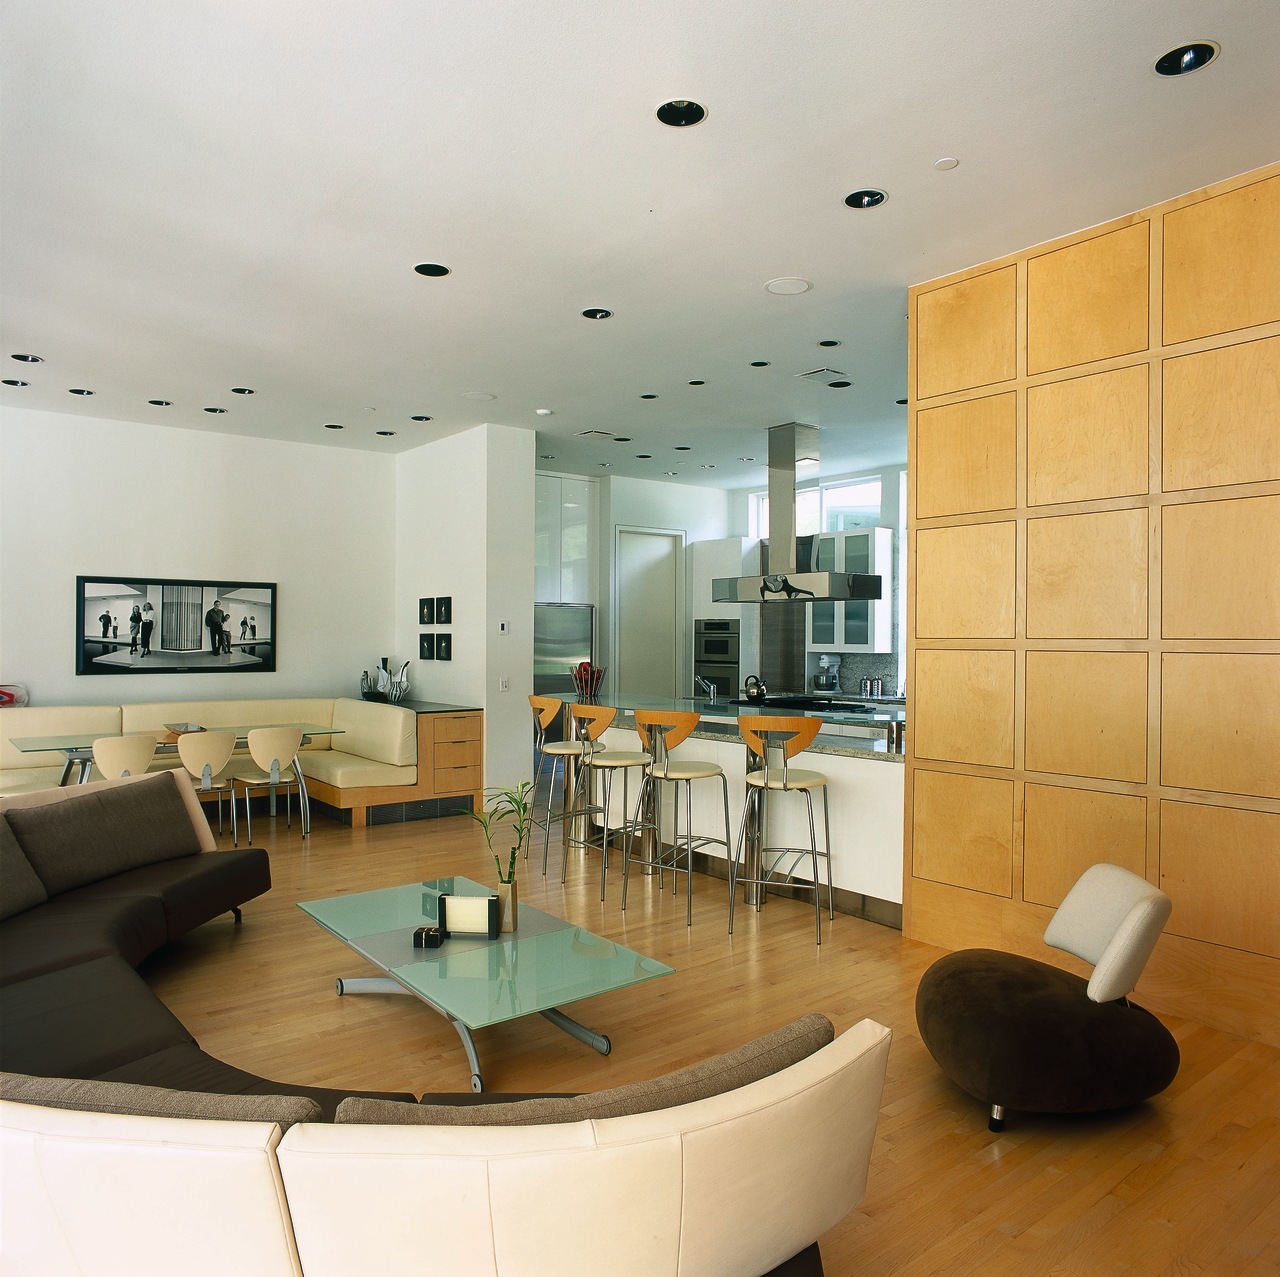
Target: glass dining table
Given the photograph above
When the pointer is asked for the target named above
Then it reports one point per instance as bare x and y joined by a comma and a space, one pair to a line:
77, 750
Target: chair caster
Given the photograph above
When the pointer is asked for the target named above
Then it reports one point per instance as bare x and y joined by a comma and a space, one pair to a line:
996, 1121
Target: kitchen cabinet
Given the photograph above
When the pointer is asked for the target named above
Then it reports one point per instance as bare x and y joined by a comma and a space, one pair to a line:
565, 533
853, 626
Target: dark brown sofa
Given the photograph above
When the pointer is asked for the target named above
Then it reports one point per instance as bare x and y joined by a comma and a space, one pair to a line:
94, 879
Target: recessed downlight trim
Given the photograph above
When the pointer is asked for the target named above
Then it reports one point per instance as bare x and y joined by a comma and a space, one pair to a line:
79, 391
215, 410
945, 163
746, 458
648, 396
333, 425
902, 403
14, 381
432, 270
839, 385
597, 312
420, 417
681, 113
866, 197
385, 434
622, 438
1192, 56
672, 474
546, 456
788, 286
644, 456
683, 447
697, 383
28, 359
759, 363
161, 403
829, 341
242, 390
482, 396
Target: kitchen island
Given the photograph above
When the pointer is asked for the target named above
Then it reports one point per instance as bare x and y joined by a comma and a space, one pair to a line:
864, 784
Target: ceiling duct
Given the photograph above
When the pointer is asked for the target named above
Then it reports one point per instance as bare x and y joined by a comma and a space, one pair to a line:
786, 579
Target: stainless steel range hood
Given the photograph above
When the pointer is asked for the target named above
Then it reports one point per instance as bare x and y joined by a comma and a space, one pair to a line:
785, 580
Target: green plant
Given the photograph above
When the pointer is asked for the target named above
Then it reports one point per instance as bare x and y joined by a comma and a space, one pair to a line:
504, 802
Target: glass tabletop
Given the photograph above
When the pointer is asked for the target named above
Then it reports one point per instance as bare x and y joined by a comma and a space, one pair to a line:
546, 963
84, 740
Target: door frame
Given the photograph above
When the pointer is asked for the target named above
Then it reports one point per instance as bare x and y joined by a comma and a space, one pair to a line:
683, 647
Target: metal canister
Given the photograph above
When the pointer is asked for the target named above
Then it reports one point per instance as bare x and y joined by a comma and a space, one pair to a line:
877, 687
864, 688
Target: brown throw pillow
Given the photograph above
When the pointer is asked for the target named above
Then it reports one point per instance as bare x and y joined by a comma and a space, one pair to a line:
758, 1059
88, 837
133, 1100
20, 885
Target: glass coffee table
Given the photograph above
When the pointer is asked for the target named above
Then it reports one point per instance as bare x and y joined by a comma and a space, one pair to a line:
474, 981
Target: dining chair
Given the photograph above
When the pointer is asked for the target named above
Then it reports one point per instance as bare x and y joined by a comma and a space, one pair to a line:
783, 738
275, 751
118, 756
205, 755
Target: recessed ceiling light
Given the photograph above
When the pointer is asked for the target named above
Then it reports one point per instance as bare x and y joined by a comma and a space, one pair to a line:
546, 456
697, 383
900, 401
605, 465
746, 458
946, 162
596, 312
79, 392
868, 197
434, 269
839, 385
671, 474
332, 425
644, 456
759, 363
420, 418
708, 465
680, 114
1187, 58
386, 434
543, 412
215, 410
683, 447
622, 438
161, 403
241, 390
648, 396
27, 359
788, 286
478, 394
830, 341
13, 381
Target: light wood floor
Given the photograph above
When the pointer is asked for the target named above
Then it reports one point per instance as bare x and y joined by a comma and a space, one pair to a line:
1187, 1184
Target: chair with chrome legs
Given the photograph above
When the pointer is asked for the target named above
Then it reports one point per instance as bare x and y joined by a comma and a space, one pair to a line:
118, 756
784, 738
546, 709
205, 756
660, 733
275, 751
590, 723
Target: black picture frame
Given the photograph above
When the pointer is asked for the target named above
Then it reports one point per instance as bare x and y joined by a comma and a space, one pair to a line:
444, 647
181, 639
444, 610
426, 611
426, 647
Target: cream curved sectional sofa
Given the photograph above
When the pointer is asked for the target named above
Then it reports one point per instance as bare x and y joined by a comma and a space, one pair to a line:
377, 757
730, 1186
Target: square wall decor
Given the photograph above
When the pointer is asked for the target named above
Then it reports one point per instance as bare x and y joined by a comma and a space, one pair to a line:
444, 647
444, 610
426, 611
426, 647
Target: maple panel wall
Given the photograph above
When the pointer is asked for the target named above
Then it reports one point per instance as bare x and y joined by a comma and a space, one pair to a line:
1094, 592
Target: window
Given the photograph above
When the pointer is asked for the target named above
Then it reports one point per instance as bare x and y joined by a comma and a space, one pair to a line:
837, 507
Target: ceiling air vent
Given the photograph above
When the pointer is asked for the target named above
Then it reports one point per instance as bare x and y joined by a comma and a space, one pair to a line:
822, 373
594, 434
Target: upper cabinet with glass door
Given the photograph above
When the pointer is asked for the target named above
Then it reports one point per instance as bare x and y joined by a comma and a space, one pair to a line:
564, 539
854, 626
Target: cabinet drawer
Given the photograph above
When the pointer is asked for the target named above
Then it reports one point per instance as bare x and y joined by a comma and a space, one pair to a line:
453, 727
457, 753
455, 780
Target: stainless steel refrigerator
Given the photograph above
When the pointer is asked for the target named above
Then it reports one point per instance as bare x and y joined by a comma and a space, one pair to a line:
563, 635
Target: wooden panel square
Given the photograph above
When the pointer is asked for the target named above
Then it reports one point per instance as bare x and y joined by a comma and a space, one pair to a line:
966, 333
963, 706
1087, 437
963, 831
1222, 263
966, 579
966, 457
1086, 714
1067, 830
1087, 575
1231, 394
1220, 722
1221, 569
1221, 868
1088, 301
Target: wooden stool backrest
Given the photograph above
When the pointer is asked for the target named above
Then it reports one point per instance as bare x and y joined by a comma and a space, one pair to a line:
591, 721
679, 724
754, 726
545, 708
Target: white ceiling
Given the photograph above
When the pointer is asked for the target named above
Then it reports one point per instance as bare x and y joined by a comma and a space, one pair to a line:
201, 195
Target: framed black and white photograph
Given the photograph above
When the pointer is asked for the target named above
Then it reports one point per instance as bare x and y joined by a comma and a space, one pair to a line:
444, 611
426, 647
157, 625
426, 611
444, 647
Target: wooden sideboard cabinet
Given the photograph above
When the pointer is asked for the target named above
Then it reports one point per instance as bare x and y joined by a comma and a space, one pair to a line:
451, 754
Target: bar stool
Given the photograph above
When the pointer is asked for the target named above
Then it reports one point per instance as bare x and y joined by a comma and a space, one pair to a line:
545, 710
791, 736
660, 733
590, 723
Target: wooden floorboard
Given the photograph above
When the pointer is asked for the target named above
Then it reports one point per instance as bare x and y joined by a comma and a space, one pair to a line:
1186, 1184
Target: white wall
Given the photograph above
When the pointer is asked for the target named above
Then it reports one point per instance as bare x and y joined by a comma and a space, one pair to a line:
464, 528
85, 496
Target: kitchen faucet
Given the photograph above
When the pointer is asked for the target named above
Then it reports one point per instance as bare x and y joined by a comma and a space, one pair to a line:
705, 685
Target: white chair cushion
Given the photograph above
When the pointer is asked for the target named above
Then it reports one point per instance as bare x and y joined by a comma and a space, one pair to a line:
797, 778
